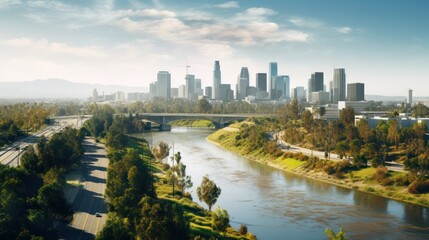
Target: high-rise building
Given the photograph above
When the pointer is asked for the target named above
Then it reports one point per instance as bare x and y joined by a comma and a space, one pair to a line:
315, 84
174, 93
190, 86
261, 81
272, 75
120, 96
242, 83
182, 91
152, 88
163, 85
208, 92
225, 92
339, 85
410, 97
216, 80
281, 87
299, 94
355, 92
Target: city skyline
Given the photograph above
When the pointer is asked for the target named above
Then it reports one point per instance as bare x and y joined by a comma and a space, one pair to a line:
381, 44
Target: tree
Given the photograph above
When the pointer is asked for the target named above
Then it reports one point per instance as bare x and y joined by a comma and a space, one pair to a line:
184, 181
203, 106
208, 192
347, 116
332, 236
220, 220
363, 129
418, 166
307, 120
51, 199
161, 151
115, 228
161, 220
393, 132
420, 110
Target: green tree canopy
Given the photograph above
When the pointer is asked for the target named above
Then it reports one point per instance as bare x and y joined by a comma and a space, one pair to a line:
208, 192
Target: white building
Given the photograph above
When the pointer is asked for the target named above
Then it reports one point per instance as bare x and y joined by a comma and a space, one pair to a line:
357, 106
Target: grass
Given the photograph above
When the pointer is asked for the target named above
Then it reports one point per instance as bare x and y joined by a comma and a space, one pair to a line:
199, 218
200, 123
357, 179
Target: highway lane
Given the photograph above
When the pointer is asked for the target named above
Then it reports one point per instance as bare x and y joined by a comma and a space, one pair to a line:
11, 154
89, 200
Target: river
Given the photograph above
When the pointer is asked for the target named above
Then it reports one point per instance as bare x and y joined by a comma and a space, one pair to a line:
279, 205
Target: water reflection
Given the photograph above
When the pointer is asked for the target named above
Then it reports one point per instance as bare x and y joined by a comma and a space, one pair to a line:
279, 205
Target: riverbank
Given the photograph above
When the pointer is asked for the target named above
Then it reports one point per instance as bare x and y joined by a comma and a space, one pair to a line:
364, 179
200, 220
193, 123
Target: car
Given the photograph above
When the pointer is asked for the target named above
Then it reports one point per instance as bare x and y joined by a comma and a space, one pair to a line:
97, 214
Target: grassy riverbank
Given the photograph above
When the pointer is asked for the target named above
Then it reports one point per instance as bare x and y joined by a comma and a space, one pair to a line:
193, 123
199, 218
380, 182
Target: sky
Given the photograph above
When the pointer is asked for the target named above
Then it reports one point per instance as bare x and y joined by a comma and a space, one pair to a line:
383, 43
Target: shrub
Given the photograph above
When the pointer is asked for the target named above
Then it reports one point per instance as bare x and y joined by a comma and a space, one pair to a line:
243, 229
380, 174
402, 180
418, 187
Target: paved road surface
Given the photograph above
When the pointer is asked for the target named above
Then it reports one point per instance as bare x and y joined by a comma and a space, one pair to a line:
11, 154
334, 157
89, 199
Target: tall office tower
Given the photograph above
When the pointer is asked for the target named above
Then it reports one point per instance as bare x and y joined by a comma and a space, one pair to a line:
339, 86
315, 84
281, 87
182, 91
299, 94
198, 88
355, 92
242, 83
208, 92
272, 75
163, 85
261, 81
216, 80
225, 92
190, 86
410, 97
331, 91
152, 88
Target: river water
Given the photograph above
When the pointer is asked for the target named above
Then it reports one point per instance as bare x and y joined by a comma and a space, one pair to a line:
278, 205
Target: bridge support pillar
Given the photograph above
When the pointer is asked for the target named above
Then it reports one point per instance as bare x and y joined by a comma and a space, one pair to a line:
164, 127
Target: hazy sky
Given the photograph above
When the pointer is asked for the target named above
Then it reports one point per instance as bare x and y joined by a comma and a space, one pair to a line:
382, 43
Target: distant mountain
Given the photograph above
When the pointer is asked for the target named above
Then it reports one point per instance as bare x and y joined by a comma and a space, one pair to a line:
59, 89
379, 98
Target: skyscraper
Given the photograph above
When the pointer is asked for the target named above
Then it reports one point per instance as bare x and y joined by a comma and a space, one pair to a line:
355, 92
339, 85
261, 81
163, 84
315, 84
410, 97
190, 86
281, 87
272, 75
242, 83
216, 80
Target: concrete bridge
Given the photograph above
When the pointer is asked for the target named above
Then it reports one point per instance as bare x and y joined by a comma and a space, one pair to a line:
219, 120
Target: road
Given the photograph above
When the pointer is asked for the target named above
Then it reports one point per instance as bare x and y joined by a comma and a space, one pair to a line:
89, 199
12, 153
334, 157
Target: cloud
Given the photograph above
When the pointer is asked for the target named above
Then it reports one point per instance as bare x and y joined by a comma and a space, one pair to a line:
344, 30
228, 5
43, 46
305, 22
259, 12
9, 3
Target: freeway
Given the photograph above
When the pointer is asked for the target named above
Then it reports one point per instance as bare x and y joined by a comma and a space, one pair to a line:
12, 153
88, 202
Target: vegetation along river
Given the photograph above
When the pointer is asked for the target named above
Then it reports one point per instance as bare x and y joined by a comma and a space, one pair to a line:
279, 205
